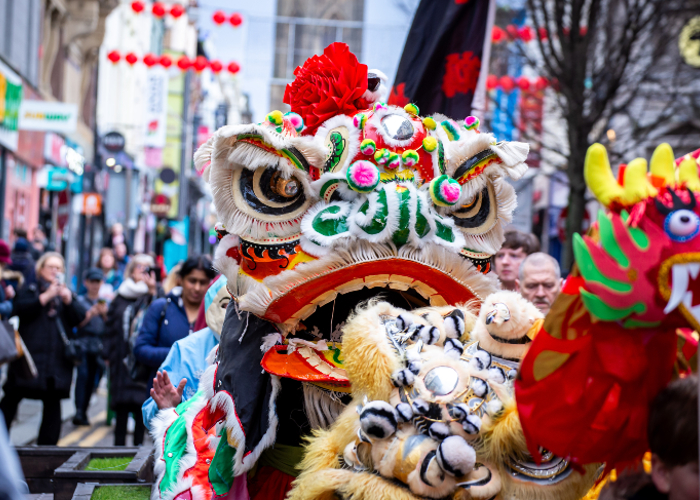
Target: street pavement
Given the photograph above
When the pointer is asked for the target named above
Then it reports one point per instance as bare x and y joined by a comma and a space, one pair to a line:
25, 429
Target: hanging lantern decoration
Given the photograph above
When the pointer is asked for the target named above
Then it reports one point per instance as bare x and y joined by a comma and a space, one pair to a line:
137, 6
216, 66
541, 83
200, 64
177, 10
165, 61
219, 18
498, 35
512, 31
131, 58
114, 56
158, 9
150, 60
526, 34
233, 67
491, 82
583, 31
507, 83
236, 20
184, 63
542, 33
523, 83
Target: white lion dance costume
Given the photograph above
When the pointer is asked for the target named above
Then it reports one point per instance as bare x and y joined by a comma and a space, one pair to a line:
367, 352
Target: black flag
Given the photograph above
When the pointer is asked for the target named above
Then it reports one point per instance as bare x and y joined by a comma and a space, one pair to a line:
441, 60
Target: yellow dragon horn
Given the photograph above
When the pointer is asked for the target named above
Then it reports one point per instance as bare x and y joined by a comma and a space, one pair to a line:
636, 182
599, 176
688, 173
663, 163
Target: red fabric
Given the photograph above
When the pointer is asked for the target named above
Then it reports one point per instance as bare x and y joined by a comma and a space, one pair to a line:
327, 85
269, 484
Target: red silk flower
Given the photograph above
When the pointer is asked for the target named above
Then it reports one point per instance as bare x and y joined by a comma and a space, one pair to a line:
327, 85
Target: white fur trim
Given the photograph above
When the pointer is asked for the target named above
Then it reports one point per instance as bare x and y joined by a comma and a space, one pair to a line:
353, 142
314, 236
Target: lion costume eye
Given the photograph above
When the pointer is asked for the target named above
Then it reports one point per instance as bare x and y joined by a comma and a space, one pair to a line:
265, 194
480, 215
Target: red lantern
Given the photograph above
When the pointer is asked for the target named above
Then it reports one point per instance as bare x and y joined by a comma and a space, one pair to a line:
525, 34
583, 30
114, 56
200, 64
177, 10
236, 20
184, 63
137, 6
542, 32
131, 58
507, 83
566, 30
216, 66
233, 67
541, 83
150, 60
512, 31
219, 18
498, 35
523, 83
158, 9
165, 61
491, 82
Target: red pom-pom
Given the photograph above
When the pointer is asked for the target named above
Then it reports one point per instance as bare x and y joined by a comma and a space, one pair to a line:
150, 60
523, 83
233, 67
184, 63
137, 6
200, 64
236, 20
491, 82
542, 32
498, 35
328, 85
165, 61
541, 83
512, 31
131, 58
177, 10
158, 9
525, 34
114, 56
219, 17
216, 66
507, 83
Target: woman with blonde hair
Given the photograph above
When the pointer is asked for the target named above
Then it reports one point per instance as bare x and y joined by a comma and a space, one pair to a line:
47, 311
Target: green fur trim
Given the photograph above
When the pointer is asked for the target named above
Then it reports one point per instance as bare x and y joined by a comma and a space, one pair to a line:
175, 446
336, 151
604, 312
640, 238
633, 323
329, 227
444, 232
379, 220
590, 271
221, 467
422, 227
400, 236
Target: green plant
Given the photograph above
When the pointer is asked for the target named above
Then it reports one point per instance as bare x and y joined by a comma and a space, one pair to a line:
125, 492
110, 463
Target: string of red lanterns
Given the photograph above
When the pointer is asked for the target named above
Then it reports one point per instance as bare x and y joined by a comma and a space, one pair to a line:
159, 10
199, 64
525, 33
525, 84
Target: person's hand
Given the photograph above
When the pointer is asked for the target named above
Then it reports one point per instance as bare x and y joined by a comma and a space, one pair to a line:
52, 291
101, 308
164, 393
9, 292
150, 280
66, 295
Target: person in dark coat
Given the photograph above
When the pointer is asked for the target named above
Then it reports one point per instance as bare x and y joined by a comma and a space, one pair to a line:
173, 317
127, 395
46, 309
23, 261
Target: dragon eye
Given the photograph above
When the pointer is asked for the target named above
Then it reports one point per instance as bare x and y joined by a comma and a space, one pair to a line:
397, 127
682, 225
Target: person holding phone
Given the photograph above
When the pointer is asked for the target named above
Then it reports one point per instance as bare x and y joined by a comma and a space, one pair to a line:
90, 333
46, 309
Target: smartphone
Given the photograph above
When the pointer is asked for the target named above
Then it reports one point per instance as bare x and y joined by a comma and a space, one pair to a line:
61, 278
101, 301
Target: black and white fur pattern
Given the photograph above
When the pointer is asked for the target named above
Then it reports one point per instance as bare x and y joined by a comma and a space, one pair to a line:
455, 456
378, 420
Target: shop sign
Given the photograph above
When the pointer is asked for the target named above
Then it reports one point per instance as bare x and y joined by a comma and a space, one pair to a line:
113, 142
48, 116
92, 204
53, 149
63, 210
10, 101
156, 108
160, 205
54, 178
